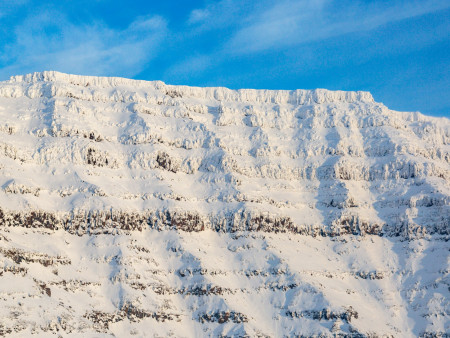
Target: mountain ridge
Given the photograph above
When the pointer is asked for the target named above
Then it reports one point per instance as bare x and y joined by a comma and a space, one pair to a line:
298, 96
130, 207
332, 147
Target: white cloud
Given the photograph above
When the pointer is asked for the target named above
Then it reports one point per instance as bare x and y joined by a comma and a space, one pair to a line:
219, 14
49, 41
198, 15
237, 28
283, 24
286, 23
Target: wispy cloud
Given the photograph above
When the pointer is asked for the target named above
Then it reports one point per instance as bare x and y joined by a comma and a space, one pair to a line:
198, 15
289, 22
243, 28
220, 14
50, 41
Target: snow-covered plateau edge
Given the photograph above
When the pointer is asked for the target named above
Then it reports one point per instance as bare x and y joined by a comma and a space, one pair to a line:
217, 93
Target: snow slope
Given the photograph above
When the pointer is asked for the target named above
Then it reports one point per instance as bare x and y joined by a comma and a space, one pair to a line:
301, 212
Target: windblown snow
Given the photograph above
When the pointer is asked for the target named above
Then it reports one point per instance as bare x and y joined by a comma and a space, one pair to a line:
139, 208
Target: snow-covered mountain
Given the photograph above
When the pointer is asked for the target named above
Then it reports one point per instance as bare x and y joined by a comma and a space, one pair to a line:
135, 207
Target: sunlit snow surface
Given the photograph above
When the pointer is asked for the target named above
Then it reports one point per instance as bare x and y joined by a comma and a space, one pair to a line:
394, 287
138, 208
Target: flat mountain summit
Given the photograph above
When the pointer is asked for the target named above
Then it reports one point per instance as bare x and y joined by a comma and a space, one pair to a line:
130, 204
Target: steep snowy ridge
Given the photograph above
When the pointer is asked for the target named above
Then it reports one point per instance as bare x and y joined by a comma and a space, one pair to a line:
131, 204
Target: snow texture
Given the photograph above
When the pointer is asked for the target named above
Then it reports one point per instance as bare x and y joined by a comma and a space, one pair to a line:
129, 207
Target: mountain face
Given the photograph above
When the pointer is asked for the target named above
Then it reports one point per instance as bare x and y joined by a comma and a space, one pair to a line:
136, 208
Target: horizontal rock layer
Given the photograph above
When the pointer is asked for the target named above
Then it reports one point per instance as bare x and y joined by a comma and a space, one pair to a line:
113, 222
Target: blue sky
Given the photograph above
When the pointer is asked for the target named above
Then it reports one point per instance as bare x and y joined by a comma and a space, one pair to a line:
398, 50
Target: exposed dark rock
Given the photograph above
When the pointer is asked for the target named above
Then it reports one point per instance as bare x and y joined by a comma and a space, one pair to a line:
222, 317
325, 314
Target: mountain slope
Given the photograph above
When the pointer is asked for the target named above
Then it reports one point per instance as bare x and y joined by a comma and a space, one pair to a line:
122, 163
315, 161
